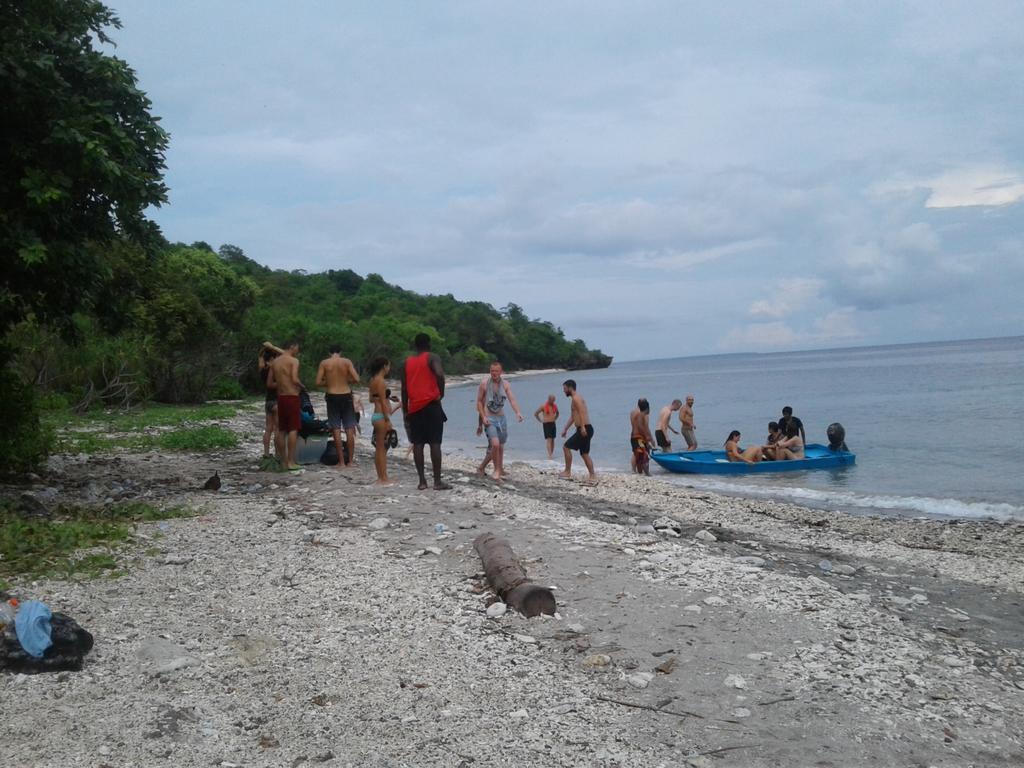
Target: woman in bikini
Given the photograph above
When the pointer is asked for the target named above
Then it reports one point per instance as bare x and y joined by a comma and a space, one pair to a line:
381, 418
733, 452
267, 353
792, 447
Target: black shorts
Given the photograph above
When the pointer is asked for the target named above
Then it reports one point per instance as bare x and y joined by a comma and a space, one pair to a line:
426, 426
663, 442
634, 443
340, 411
271, 403
580, 441
549, 430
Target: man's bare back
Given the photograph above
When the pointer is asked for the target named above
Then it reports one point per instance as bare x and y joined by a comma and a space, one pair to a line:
284, 372
663, 416
639, 425
336, 374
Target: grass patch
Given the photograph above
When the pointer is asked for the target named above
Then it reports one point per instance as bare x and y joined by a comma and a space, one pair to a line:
77, 542
70, 441
198, 439
108, 431
168, 416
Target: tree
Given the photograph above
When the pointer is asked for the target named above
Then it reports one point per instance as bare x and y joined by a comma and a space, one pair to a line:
81, 157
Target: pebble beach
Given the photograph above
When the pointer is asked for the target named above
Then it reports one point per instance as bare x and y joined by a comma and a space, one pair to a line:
319, 619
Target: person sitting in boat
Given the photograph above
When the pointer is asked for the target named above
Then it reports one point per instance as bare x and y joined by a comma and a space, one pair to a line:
774, 435
791, 446
733, 452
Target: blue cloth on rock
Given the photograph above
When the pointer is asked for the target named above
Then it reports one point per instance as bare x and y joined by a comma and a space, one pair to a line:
33, 627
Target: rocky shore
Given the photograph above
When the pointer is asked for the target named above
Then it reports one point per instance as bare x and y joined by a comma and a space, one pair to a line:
320, 619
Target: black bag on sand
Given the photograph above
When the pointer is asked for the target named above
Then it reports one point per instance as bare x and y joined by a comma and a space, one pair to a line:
70, 644
330, 454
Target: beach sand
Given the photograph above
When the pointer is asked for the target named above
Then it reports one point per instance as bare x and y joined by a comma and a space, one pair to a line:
320, 619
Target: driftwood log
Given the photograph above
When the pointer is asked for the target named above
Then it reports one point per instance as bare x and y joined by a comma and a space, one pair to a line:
509, 579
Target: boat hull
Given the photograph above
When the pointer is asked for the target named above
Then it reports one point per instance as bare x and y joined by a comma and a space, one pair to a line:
715, 463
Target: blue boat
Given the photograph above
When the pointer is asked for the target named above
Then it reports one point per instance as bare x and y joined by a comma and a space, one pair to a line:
816, 456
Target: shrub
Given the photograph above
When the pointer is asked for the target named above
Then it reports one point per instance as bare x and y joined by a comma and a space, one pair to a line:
25, 441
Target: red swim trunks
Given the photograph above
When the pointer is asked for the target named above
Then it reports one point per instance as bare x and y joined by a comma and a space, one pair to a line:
289, 413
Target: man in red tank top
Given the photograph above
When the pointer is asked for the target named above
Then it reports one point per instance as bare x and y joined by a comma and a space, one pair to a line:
422, 390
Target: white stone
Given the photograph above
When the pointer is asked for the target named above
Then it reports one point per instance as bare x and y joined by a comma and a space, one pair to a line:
525, 638
692, 608
378, 524
714, 600
597, 660
705, 535
519, 714
496, 610
735, 681
741, 712
640, 679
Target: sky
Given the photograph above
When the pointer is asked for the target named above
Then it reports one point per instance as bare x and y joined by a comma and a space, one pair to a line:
660, 179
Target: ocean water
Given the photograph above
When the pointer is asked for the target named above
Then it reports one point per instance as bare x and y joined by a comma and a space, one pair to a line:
937, 428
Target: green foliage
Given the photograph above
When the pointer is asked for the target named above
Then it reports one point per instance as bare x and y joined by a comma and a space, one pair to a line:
35, 547
82, 157
369, 317
24, 440
226, 389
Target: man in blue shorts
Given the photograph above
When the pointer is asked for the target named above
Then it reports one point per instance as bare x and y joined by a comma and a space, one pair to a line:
490, 404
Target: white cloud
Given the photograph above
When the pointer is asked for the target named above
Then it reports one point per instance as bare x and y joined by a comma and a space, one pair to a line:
985, 185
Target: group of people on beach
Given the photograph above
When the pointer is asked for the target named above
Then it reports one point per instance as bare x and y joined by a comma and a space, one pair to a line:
422, 384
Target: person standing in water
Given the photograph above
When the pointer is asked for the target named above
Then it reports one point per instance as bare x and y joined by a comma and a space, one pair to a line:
338, 374
422, 390
490, 404
664, 425
547, 415
640, 440
686, 427
580, 440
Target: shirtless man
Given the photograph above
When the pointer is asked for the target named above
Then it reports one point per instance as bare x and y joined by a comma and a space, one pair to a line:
686, 428
547, 415
337, 374
284, 377
580, 440
664, 415
490, 404
640, 429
